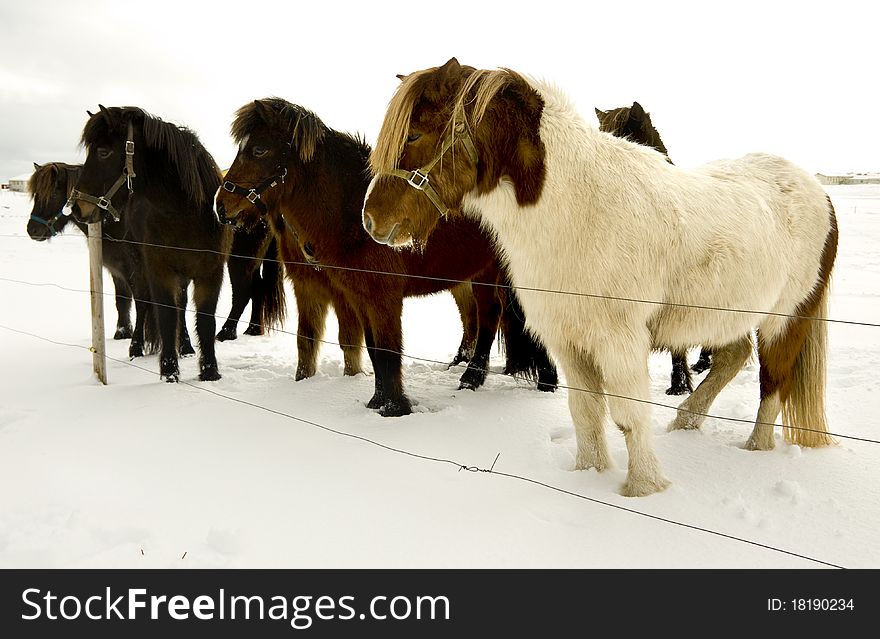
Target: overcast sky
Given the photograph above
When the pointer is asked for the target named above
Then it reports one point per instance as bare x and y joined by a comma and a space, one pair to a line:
799, 79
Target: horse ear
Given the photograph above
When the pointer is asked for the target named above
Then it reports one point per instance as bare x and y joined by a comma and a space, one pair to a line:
37, 167
401, 76
262, 110
636, 111
89, 113
106, 114
445, 81
599, 112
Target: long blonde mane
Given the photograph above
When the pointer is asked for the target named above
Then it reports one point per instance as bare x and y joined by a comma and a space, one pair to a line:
479, 88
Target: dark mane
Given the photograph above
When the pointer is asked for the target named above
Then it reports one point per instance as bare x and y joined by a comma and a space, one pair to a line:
45, 177
632, 123
195, 168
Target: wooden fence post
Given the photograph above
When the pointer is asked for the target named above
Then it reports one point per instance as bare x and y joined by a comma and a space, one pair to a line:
96, 275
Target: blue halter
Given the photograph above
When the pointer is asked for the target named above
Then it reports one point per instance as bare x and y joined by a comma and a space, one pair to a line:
50, 223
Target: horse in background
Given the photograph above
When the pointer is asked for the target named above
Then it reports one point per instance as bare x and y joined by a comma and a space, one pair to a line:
581, 211
50, 186
634, 124
256, 276
167, 205
309, 182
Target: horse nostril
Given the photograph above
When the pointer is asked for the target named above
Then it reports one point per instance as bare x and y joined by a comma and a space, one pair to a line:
368, 223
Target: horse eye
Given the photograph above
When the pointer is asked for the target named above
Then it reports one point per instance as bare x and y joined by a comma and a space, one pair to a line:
412, 137
260, 151
104, 152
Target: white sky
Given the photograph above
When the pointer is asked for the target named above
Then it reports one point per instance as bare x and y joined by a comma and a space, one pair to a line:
720, 79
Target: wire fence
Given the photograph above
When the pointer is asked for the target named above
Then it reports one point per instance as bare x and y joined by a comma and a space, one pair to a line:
457, 464
453, 281
486, 371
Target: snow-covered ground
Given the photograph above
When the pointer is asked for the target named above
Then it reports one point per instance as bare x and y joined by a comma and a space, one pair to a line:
141, 473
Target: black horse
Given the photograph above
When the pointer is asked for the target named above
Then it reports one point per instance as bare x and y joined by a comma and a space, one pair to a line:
161, 180
634, 123
257, 276
50, 187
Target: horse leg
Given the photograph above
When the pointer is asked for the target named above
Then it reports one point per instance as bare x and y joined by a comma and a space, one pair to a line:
680, 382
255, 325
463, 295
728, 361
525, 354
587, 406
384, 319
206, 291
488, 316
164, 295
144, 312
123, 307
351, 334
623, 363
241, 282
312, 303
185, 346
704, 362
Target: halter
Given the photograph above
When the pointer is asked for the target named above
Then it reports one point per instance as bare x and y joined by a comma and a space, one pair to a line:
253, 195
418, 179
50, 223
104, 202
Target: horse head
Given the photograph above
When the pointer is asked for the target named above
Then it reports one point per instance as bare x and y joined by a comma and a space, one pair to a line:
109, 140
50, 186
450, 131
276, 140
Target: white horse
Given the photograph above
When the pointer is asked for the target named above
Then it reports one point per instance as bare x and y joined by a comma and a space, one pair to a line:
578, 210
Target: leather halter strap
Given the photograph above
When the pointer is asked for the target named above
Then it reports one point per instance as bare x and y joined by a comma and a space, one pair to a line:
104, 202
419, 178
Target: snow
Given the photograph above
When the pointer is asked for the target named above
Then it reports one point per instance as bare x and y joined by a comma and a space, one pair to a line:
141, 473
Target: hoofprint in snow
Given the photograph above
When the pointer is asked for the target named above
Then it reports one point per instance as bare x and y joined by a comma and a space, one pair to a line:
146, 474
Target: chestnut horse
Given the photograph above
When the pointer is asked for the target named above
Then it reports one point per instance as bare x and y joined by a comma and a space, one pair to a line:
309, 182
634, 124
602, 221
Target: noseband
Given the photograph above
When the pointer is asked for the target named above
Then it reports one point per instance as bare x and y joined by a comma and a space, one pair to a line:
419, 180
104, 202
253, 195
50, 223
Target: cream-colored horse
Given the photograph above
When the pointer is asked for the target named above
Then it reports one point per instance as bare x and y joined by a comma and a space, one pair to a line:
578, 210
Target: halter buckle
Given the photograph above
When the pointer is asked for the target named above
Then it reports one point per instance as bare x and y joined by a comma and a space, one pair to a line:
129, 147
421, 177
252, 196
103, 203
229, 186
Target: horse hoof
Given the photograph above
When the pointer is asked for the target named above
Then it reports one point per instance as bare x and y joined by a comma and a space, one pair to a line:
678, 390
351, 371
472, 379
376, 401
302, 373
754, 444
209, 374
123, 332
135, 350
226, 334
645, 486
548, 381
186, 349
253, 329
701, 366
171, 378
396, 407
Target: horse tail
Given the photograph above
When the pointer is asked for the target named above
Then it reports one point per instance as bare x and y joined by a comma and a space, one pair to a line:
525, 356
274, 308
803, 411
152, 338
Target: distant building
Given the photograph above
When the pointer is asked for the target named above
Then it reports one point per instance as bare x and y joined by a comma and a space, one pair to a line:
19, 183
849, 178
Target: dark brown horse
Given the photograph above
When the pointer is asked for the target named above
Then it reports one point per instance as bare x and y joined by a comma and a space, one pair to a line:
50, 187
634, 124
161, 180
309, 181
